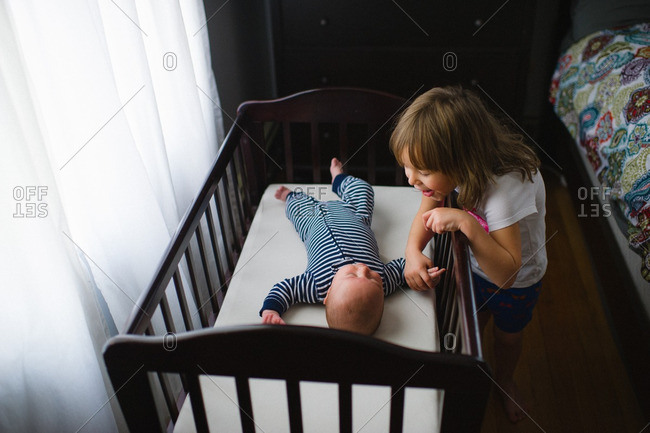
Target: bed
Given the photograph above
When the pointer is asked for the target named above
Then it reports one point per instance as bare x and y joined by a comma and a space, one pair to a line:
194, 356
600, 91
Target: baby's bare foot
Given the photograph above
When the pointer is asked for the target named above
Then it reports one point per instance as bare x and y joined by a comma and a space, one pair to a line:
336, 167
513, 402
282, 193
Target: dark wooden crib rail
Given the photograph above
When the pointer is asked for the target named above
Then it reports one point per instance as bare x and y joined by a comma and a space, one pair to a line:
351, 124
368, 361
188, 289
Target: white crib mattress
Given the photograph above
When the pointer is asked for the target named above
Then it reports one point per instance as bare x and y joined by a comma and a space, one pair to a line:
273, 251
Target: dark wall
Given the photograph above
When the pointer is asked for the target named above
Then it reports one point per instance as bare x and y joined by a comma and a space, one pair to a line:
243, 61
241, 52
548, 30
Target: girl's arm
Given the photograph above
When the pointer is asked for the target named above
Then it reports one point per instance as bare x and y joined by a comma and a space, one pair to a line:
416, 270
498, 253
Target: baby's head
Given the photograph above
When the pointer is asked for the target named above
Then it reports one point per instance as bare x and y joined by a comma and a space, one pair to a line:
355, 300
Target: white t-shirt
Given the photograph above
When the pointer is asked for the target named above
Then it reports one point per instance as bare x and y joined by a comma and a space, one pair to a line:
510, 200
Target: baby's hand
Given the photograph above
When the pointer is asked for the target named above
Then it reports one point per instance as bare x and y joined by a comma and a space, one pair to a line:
416, 272
435, 274
271, 317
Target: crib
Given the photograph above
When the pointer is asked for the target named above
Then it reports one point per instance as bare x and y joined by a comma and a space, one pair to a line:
170, 341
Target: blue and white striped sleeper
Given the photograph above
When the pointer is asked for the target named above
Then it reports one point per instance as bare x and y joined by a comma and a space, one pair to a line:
335, 233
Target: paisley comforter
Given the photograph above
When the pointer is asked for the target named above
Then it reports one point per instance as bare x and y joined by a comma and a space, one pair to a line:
601, 92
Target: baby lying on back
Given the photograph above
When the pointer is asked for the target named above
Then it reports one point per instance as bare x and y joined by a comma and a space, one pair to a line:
344, 270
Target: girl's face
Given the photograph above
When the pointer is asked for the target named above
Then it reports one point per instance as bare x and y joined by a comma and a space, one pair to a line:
433, 184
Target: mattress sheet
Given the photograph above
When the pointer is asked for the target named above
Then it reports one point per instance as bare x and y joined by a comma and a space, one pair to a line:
273, 251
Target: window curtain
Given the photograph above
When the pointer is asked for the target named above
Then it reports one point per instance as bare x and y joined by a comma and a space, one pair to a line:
109, 124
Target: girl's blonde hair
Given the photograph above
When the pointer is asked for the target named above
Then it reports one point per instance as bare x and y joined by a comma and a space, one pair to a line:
449, 130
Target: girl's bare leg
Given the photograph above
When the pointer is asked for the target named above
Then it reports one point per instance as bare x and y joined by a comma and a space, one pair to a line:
507, 349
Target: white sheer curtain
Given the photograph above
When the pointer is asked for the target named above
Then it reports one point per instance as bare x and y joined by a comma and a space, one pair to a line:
108, 126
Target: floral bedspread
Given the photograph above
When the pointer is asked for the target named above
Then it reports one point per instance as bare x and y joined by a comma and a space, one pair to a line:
601, 92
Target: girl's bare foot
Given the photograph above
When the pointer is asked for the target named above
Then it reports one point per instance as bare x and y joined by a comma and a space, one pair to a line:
336, 168
513, 402
282, 193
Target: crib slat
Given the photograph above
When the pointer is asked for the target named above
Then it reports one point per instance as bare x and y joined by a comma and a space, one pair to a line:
451, 320
182, 301
450, 300
215, 247
195, 288
245, 405
397, 410
443, 258
243, 193
198, 408
232, 217
454, 318
167, 314
240, 199
466, 299
315, 152
166, 387
233, 245
288, 154
448, 306
345, 408
224, 233
295, 408
251, 146
206, 271
231, 249
462, 345
247, 207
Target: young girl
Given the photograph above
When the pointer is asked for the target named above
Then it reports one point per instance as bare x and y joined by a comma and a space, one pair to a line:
448, 140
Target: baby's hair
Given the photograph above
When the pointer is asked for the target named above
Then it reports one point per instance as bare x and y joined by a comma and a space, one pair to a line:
449, 130
355, 319
362, 316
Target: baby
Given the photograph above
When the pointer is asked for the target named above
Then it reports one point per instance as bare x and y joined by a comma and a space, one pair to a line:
344, 270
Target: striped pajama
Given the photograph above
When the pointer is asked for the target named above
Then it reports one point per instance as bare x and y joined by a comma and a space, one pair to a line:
335, 234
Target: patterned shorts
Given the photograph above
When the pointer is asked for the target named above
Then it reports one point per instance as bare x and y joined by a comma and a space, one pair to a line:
512, 308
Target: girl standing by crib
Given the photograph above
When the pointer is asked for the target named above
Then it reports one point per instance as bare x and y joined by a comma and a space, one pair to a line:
445, 140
